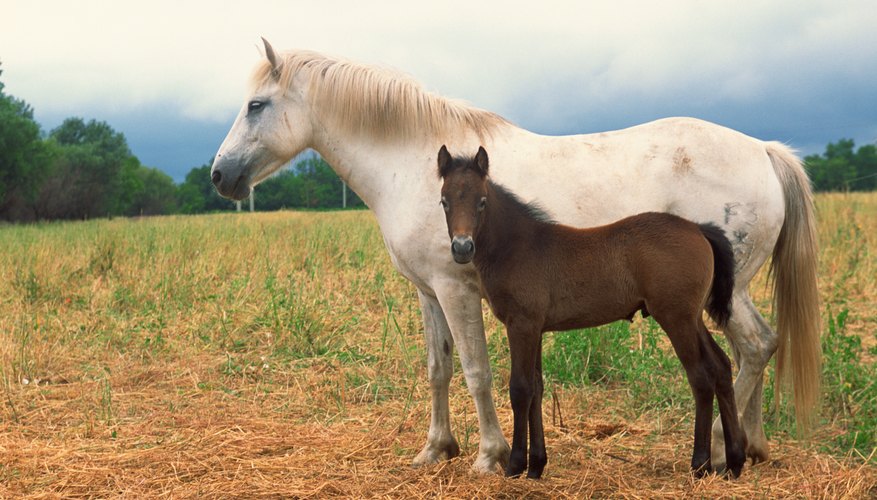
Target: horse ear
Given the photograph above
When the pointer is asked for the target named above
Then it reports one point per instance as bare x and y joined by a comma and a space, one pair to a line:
444, 161
272, 58
482, 161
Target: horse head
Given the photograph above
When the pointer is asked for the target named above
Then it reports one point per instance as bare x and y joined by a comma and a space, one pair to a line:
272, 127
464, 198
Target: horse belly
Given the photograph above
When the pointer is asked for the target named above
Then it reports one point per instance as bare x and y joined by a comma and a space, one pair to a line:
590, 313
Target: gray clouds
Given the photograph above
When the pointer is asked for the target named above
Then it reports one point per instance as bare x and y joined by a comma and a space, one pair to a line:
172, 75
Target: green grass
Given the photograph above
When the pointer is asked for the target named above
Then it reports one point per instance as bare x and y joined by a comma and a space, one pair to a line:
615, 356
250, 306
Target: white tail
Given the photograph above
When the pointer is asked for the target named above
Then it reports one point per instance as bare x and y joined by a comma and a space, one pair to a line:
796, 297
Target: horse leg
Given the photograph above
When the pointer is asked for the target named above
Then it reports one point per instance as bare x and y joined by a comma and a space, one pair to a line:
538, 455
461, 303
440, 442
522, 389
685, 338
735, 438
753, 343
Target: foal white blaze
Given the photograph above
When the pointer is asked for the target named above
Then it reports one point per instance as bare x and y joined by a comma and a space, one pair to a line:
380, 132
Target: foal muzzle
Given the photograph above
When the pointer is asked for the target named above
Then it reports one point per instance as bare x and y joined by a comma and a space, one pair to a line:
462, 248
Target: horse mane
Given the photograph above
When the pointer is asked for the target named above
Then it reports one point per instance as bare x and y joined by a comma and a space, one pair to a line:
381, 103
531, 210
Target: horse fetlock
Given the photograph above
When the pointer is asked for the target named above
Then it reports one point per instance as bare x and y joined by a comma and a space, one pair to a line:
537, 465
758, 452
517, 463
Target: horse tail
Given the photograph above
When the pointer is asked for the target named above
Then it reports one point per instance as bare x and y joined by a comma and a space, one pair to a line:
718, 305
795, 293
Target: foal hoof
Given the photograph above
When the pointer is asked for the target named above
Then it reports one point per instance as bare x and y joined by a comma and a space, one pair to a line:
701, 470
734, 470
534, 474
514, 470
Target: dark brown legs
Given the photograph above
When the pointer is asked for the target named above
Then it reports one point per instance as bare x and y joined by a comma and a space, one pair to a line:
709, 374
735, 437
525, 392
707, 368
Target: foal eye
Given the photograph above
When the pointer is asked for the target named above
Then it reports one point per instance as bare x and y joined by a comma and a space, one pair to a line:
482, 204
444, 204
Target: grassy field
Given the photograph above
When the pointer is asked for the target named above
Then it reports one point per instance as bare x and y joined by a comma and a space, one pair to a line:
280, 355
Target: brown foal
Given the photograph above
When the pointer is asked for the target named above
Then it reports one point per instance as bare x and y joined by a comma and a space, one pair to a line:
541, 276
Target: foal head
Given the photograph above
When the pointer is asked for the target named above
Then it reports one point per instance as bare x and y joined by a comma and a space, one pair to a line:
464, 198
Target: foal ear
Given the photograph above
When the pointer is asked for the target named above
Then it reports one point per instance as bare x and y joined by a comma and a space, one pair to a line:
272, 58
444, 161
481, 161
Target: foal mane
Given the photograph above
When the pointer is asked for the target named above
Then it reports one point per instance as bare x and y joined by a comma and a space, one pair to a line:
532, 210
381, 103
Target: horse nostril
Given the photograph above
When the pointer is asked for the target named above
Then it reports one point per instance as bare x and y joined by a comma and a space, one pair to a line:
216, 177
463, 246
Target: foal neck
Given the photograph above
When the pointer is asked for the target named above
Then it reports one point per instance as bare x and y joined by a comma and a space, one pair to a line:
509, 223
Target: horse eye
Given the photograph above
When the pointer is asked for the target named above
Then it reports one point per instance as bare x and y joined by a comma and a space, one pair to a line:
482, 204
254, 106
444, 204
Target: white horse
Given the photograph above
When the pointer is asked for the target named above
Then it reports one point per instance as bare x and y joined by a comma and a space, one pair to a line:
380, 132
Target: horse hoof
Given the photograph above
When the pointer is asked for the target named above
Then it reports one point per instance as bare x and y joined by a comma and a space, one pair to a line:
492, 459
487, 465
702, 471
514, 470
433, 454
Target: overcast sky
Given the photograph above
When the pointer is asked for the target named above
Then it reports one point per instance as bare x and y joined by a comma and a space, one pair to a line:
171, 75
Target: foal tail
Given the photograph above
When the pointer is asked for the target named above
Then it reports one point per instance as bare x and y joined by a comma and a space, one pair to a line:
718, 305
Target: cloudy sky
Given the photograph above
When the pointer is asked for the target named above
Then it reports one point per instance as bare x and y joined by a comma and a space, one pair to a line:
171, 75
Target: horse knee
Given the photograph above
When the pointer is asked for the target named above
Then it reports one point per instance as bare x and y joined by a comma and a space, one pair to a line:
439, 373
479, 381
520, 394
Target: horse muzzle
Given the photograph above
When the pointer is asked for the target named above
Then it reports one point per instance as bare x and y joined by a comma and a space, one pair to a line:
230, 182
463, 249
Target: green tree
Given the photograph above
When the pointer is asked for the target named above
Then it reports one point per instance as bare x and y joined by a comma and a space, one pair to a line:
94, 173
23, 157
842, 167
320, 186
866, 166
147, 191
197, 195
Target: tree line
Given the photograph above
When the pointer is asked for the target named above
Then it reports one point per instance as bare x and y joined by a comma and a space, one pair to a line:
843, 167
85, 169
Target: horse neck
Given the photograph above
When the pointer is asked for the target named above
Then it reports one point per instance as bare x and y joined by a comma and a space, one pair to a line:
389, 172
370, 168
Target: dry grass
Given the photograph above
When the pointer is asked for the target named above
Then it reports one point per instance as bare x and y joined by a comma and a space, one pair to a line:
279, 355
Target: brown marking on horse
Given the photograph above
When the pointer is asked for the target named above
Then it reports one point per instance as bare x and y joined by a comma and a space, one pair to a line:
681, 162
541, 276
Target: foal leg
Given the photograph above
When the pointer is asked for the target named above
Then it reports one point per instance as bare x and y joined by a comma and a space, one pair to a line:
684, 335
735, 439
538, 455
753, 343
524, 348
